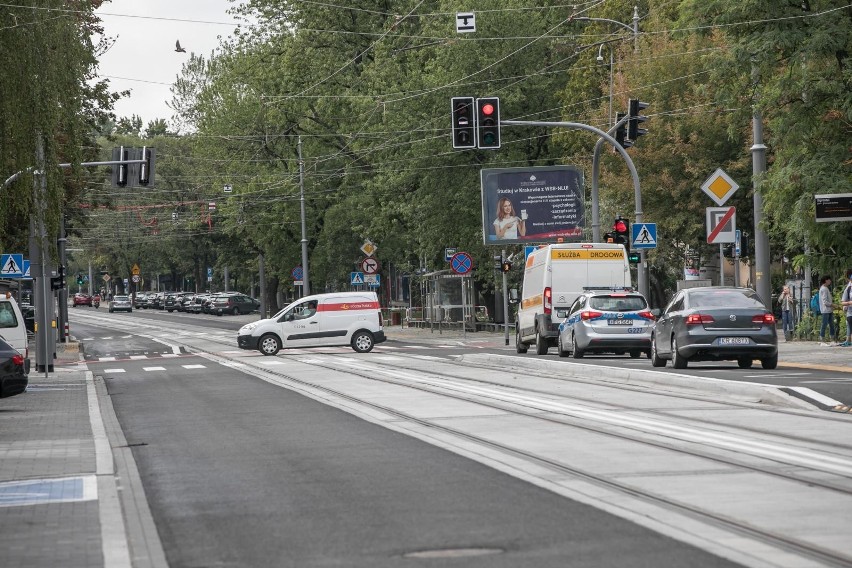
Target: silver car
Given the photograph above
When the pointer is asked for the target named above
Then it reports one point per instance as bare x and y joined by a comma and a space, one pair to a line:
120, 304
715, 323
606, 321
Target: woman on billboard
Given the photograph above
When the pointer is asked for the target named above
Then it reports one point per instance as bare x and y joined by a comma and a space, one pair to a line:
507, 225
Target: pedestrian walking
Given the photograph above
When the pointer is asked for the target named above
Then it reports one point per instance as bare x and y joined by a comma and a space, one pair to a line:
826, 309
785, 300
846, 303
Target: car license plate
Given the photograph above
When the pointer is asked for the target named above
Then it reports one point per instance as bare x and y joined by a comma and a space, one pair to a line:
734, 341
619, 322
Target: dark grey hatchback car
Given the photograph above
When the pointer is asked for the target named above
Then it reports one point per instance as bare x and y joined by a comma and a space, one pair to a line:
715, 323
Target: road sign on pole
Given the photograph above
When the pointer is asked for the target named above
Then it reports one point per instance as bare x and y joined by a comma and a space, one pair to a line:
370, 265
644, 235
721, 225
719, 187
461, 263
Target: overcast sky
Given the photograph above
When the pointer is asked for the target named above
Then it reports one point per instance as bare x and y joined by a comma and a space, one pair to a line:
143, 58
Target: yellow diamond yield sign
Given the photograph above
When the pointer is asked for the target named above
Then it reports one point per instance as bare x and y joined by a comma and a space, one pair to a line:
719, 187
135, 270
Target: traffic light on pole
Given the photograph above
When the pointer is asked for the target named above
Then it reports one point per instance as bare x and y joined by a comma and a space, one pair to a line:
58, 282
621, 132
119, 171
80, 280
488, 123
620, 231
633, 131
464, 131
506, 266
498, 262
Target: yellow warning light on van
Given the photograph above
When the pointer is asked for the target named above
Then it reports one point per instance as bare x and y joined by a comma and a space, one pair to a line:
586, 254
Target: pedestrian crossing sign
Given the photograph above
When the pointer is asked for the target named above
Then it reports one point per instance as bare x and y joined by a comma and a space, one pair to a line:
644, 236
11, 266
356, 278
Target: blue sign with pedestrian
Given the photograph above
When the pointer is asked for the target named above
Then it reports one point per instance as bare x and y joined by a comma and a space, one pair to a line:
356, 278
27, 269
12, 266
461, 263
644, 236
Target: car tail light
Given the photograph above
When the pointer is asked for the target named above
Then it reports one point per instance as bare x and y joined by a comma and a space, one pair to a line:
646, 315
590, 315
698, 319
768, 319
380, 320
18, 360
548, 300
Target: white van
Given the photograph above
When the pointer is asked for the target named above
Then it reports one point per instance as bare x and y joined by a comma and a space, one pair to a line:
343, 318
554, 276
13, 328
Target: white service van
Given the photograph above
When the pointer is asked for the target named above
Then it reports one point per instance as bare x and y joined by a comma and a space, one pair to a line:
321, 320
554, 276
13, 328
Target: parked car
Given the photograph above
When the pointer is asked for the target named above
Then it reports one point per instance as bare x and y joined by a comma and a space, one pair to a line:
81, 299
170, 302
14, 368
140, 300
233, 303
715, 323
185, 301
197, 303
120, 304
601, 321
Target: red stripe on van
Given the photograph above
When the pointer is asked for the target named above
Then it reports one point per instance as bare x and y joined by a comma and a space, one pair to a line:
348, 306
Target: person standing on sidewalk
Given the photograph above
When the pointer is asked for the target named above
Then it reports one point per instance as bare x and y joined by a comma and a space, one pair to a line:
785, 300
826, 307
846, 302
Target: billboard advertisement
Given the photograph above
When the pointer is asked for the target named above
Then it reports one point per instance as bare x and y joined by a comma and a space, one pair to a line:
532, 205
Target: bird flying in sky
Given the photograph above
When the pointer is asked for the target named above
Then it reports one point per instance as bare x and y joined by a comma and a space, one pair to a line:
178, 48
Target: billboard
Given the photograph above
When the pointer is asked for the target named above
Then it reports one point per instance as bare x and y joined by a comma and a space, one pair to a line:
532, 205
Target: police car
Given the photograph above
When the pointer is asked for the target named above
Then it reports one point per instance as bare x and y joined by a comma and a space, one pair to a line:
613, 321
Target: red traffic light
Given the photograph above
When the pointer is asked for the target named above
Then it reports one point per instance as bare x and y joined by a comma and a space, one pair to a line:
487, 109
620, 227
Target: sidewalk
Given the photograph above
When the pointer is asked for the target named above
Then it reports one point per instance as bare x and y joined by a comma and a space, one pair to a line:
58, 473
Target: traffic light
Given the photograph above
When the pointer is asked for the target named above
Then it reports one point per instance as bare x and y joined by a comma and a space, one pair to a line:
498, 262
146, 168
119, 171
633, 131
464, 131
621, 131
633, 257
609, 238
620, 231
80, 280
488, 123
728, 250
506, 266
58, 282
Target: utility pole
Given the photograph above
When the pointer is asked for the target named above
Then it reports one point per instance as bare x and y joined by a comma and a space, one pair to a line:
306, 287
761, 239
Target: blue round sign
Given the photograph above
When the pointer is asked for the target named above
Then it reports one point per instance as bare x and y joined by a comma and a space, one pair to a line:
297, 273
461, 263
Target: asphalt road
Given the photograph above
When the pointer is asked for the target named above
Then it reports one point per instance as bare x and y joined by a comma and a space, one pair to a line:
239, 472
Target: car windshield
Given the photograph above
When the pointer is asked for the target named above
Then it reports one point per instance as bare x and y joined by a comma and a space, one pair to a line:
121, 298
725, 299
617, 303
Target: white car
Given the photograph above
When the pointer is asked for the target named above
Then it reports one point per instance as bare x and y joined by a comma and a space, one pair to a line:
343, 318
120, 304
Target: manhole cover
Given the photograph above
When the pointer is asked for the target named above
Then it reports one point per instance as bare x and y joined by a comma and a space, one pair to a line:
453, 553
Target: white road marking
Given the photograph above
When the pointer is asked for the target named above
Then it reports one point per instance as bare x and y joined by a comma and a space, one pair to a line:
138, 357
114, 371
102, 359
193, 366
153, 368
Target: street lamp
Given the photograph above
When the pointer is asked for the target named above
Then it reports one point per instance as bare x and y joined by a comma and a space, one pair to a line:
600, 59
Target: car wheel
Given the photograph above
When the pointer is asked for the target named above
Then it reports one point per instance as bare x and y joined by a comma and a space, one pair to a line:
363, 341
635, 354
576, 352
520, 347
769, 362
235, 311
744, 363
540, 344
559, 350
656, 360
269, 344
678, 360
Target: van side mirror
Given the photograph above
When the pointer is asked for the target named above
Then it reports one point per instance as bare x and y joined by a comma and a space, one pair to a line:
513, 296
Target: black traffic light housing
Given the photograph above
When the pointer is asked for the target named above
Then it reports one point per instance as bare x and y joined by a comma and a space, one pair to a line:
621, 232
120, 172
621, 131
633, 131
498, 262
58, 282
634, 257
464, 122
80, 280
488, 123
506, 266
146, 168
